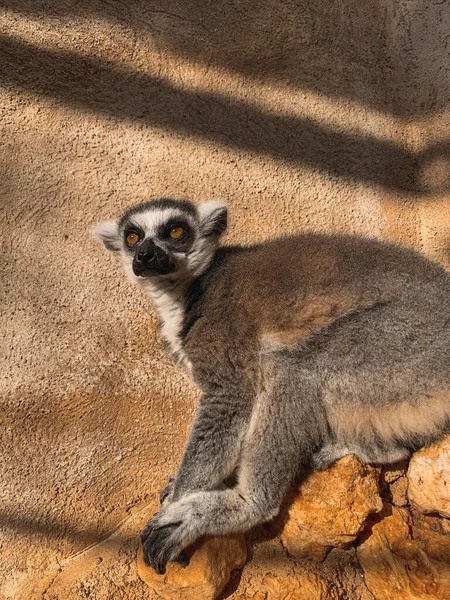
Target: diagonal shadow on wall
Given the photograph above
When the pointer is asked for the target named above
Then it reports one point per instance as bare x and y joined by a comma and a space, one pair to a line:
103, 88
388, 56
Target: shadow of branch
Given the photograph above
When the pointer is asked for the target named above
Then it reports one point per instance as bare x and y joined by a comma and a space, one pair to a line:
102, 88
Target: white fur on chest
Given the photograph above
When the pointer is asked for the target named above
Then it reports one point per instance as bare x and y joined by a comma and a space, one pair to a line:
170, 306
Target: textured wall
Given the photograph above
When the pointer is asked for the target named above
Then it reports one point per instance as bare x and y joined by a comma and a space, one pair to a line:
332, 116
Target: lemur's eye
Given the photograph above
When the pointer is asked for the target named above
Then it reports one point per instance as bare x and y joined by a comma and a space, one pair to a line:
177, 232
132, 238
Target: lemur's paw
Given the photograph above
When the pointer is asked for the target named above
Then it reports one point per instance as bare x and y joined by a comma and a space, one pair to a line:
160, 548
166, 495
164, 539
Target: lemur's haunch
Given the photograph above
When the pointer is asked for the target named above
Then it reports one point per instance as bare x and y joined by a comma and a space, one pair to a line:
306, 348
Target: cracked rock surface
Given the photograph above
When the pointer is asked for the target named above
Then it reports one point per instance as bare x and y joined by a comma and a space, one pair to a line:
429, 479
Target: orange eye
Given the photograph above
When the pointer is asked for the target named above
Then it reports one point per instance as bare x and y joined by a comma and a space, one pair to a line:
132, 239
176, 233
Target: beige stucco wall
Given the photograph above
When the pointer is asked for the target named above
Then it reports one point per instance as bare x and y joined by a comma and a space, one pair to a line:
332, 116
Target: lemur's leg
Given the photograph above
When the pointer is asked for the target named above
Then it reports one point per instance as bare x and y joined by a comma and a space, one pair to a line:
368, 453
278, 438
214, 445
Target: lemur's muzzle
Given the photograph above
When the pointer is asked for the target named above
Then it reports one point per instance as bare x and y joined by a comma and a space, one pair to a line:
150, 259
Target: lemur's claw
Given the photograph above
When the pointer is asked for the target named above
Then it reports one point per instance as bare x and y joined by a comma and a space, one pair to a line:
183, 560
161, 547
168, 490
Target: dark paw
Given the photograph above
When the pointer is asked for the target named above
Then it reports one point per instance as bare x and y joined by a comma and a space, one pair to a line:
160, 545
168, 490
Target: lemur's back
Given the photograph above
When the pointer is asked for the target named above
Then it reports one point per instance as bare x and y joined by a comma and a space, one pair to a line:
313, 262
299, 286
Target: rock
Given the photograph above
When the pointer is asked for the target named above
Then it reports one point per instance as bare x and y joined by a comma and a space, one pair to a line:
330, 509
301, 586
399, 491
252, 596
206, 575
304, 586
394, 483
434, 535
392, 472
429, 479
403, 560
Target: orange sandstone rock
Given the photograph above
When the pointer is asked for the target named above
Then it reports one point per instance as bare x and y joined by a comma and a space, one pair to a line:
429, 479
392, 472
206, 575
398, 490
331, 508
304, 586
301, 586
252, 596
405, 561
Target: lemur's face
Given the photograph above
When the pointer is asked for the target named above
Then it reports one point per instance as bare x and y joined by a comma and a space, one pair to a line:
166, 238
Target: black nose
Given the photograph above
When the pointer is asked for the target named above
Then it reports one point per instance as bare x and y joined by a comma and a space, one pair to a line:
145, 256
150, 259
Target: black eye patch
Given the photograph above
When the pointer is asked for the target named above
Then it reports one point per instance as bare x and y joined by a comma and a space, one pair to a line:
129, 230
177, 235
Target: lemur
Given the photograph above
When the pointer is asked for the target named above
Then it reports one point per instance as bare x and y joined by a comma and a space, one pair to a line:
305, 348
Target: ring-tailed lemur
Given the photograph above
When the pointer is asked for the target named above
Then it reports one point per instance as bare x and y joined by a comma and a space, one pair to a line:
306, 348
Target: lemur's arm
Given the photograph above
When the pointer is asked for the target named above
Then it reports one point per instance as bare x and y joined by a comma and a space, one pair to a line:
214, 445
280, 435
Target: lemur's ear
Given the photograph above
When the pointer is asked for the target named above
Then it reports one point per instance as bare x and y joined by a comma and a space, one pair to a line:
108, 233
213, 217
